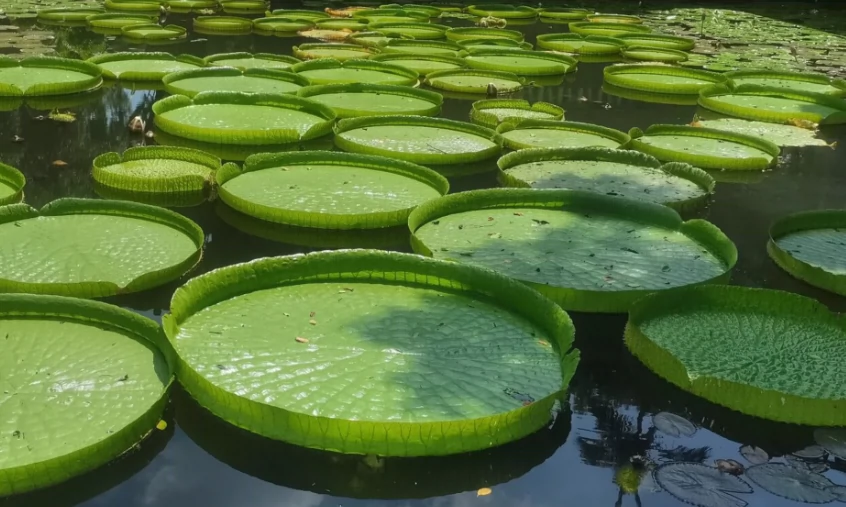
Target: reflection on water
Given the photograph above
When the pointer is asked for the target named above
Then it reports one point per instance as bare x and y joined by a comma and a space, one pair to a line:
596, 454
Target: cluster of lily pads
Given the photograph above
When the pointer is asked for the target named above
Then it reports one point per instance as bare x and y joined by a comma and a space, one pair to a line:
588, 220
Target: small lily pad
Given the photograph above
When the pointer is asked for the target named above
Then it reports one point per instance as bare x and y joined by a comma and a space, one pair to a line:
673, 425
701, 485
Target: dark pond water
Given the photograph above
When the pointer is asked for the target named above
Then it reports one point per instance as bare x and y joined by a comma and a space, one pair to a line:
200, 460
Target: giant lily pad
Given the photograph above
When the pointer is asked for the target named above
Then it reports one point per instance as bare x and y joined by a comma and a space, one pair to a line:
586, 251
779, 105
328, 71
329, 190
229, 79
243, 118
606, 171
164, 175
653, 54
188, 6
43, 75
153, 33
143, 66
251, 61
706, 148
136, 6
240, 152
812, 247
663, 79
676, 99
369, 301
427, 141
614, 18
67, 16
391, 15
470, 32
223, 25
504, 11
94, 248
243, 7
475, 82
352, 25
417, 31
580, 44
98, 398
520, 62
299, 14
559, 14
112, 23
12, 184
607, 29
492, 112
360, 99
801, 81
657, 41
532, 133
424, 47
793, 483
369, 39
782, 135
701, 339
701, 485
340, 52
422, 64
281, 26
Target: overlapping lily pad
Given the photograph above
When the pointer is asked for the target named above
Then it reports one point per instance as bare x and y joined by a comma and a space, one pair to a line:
464, 33
779, 105
520, 62
580, 44
417, 31
422, 64
792, 483
657, 41
143, 66
607, 29
706, 148
427, 141
230, 79
504, 11
84, 416
423, 47
475, 82
369, 39
328, 190
492, 112
94, 248
362, 99
701, 339
606, 171
653, 54
329, 71
12, 184
586, 251
325, 295
801, 81
664, 79
67, 16
153, 33
340, 52
111, 23
251, 61
243, 118
812, 247
43, 75
530, 133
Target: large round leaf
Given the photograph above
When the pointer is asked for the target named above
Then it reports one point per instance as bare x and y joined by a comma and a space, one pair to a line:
661, 78
673, 425
153, 33
653, 54
496, 42
83, 382
780, 105
657, 41
606, 29
352, 25
352, 100
361, 315
465, 33
416, 31
329, 190
587, 251
530, 133
800, 81
614, 18
423, 47
94, 248
580, 44
299, 14
781, 135
422, 64
67, 16
328, 71
280, 25
222, 25
143, 66
792, 483
242, 7
474, 82
504, 11
492, 112
701, 485
111, 23
192, 82
44, 75
250, 61
520, 62
12, 184
560, 14
341, 52
765, 353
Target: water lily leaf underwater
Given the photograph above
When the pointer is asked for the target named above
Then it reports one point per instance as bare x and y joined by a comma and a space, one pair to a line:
691, 339
701, 485
673, 425
792, 483
810, 453
358, 99
106, 372
360, 301
832, 440
529, 133
492, 112
754, 455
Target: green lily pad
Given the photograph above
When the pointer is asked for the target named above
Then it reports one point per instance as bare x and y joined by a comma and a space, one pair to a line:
663, 79
706, 148
222, 25
328, 71
188, 6
427, 141
702, 338
606, 29
300, 14
352, 25
106, 403
621, 173
580, 44
242, 7
112, 23
812, 247
94, 248
522, 134
655, 40
243, 118
362, 99
614, 18
475, 82
369, 301
778, 105
782, 135
239, 153
12, 184
676, 99
653, 54
520, 62
136, 6
67, 16
504, 11
391, 15
279, 25
562, 14
143, 66
417, 31
369, 39
157, 174
586, 251
252, 61
432, 11
229, 79
340, 52
499, 42
152, 33
328, 190
492, 112
43, 75
800, 81
464, 33
422, 64
423, 47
